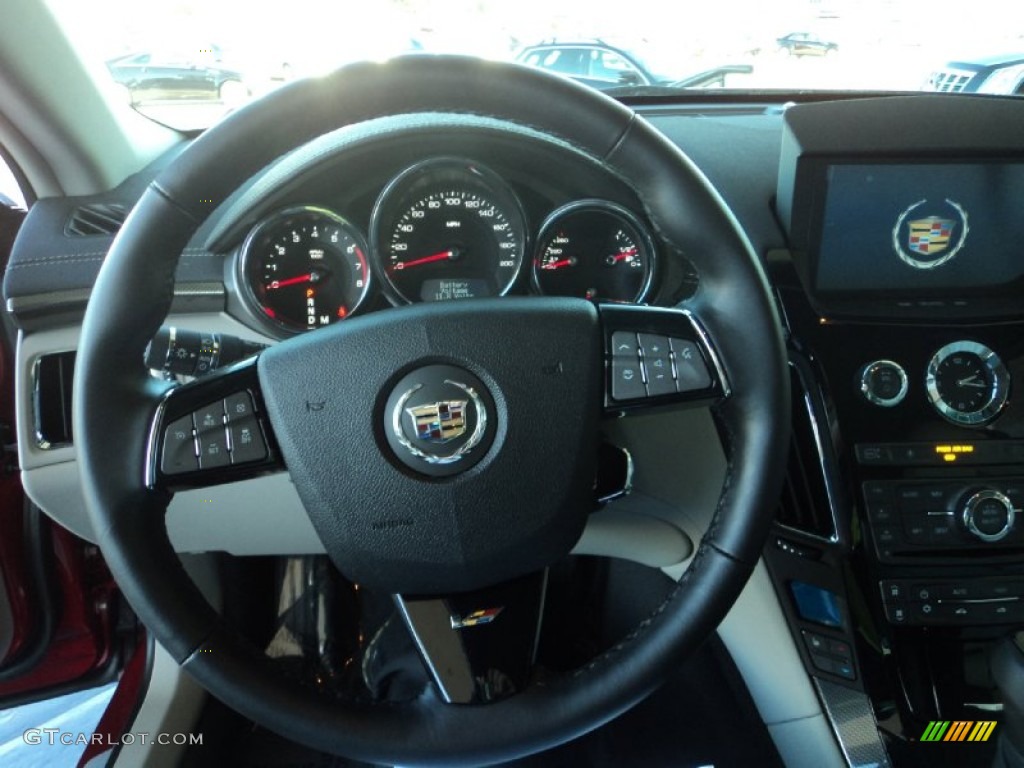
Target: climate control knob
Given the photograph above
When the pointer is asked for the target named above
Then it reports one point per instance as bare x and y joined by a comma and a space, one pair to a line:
988, 515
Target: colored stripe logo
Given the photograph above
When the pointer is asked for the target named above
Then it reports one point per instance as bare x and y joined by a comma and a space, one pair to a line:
958, 730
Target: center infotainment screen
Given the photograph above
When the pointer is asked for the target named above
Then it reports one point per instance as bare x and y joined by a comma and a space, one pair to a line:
921, 229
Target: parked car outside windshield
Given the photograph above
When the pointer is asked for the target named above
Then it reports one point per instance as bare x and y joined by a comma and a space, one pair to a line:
788, 45
154, 76
806, 44
1001, 74
606, 67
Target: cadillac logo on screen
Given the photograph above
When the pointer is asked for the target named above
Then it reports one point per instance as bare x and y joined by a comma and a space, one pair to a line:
929, 235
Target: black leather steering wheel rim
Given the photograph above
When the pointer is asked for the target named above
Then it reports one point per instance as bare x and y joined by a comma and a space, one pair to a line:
113, 413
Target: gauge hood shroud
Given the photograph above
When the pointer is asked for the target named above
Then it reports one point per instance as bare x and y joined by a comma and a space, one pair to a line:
388, 528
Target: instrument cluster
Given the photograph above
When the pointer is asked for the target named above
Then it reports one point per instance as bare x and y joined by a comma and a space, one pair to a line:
442, 229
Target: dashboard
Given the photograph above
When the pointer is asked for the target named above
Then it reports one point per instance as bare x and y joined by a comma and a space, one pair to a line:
897, 557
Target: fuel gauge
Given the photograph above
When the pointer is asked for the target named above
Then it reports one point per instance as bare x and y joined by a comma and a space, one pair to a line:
596, 250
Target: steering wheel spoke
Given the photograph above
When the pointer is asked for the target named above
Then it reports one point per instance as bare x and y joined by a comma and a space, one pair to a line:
478, 646
210, 431
658, 357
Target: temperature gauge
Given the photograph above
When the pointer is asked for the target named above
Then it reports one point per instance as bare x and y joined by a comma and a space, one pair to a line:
596, 250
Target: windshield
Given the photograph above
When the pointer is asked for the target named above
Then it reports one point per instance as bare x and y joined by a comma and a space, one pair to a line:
188, 62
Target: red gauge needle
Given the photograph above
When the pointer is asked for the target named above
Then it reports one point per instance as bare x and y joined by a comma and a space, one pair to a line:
615, 258
440, 256
558, 264
314, 276
274, 284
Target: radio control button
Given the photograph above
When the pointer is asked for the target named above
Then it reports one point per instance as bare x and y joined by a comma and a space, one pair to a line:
882, 514
997, 589
876, 492
911, 494
887, 535
897, 613
940, 530
893, 591
915, 526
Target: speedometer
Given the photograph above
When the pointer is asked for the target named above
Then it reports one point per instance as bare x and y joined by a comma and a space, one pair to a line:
447, 229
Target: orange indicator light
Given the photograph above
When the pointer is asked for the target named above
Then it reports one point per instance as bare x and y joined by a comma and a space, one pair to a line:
946, 450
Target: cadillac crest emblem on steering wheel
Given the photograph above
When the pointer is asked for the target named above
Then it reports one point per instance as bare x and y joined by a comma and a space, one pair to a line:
438, 423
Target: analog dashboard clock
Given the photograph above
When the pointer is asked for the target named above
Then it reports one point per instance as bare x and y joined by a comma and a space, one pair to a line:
967, 383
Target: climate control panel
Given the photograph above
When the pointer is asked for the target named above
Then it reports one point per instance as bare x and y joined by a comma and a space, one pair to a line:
912, 518
936, 602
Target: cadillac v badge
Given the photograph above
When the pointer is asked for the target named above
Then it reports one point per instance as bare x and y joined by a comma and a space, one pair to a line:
926, 237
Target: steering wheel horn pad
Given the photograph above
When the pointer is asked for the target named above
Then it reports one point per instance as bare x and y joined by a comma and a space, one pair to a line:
113, 413
390, 527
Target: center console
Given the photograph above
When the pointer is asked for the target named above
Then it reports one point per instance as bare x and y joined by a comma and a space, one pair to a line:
901, 534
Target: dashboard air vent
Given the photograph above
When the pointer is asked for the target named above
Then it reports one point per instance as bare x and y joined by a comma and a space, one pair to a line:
805, 505
52, 377
95, 219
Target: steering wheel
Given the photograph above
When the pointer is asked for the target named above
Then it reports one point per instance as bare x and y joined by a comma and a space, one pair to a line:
333, 408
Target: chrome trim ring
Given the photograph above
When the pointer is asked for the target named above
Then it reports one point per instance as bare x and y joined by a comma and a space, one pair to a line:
869, 394
972, 505
998, 390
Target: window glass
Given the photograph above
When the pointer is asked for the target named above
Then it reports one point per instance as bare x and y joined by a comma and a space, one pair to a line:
610, 65
10, 191
245, 49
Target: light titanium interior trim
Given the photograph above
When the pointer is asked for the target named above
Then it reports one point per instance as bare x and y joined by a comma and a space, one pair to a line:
79, 297
850, 715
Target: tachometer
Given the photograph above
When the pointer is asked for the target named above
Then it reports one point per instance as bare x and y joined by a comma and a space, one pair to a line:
596, 250
447, 229
304, 268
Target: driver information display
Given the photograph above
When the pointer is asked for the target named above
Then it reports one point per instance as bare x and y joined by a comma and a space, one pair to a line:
913, 227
